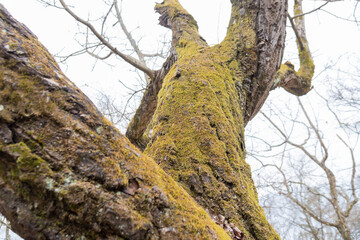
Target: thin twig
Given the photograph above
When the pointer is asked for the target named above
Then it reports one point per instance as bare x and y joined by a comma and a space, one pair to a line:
291, 19
314, 10
129, 59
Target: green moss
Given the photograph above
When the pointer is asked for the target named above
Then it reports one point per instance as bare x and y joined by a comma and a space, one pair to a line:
24, 96
307, 66
17, 97
30, 166
205, 145
198, 127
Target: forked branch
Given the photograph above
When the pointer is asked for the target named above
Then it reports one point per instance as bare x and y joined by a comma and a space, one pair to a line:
334, 194
297, 82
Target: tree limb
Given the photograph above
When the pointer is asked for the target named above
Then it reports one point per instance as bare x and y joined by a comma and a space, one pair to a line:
314, 10
254, 45
129, 37
183, 25
146, 109
62, 162
297, 82
184, 35
352, 181
129, 59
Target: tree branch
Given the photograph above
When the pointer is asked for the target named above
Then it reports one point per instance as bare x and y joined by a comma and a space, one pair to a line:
352, 181
128, 34
255, 58
316, 130
183, 25
62, 162
129, 59
129, 37
145, 112
92, 53
297, 82
314, 10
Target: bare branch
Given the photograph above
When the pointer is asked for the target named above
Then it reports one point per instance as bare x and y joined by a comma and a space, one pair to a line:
129, 59
352, 181
354, 13
326, 154
48, 4
341, 18
127, 33
298, 203
149, 55
314, 10
92, 52
297, 34
129, 37
105, 18
334, 192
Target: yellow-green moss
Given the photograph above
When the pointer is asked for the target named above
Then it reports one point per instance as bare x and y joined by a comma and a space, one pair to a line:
307, 66
30, 166
197, 130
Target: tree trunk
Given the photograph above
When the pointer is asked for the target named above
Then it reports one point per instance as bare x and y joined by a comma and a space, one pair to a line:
67, 173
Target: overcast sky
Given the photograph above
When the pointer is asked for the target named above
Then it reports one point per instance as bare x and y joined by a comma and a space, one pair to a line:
329, 36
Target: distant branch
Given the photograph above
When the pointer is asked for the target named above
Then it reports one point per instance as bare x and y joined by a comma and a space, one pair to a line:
352, 181
129, 59
319, 138
127, 33
91, 53
314, 10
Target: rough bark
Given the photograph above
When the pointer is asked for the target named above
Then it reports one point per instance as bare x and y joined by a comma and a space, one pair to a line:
145, 112
197, 131
297, 82
62, 163
66, 172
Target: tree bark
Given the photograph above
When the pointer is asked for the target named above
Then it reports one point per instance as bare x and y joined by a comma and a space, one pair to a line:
67, 173
197, 131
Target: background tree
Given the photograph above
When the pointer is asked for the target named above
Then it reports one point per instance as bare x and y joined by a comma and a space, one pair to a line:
316, 177
333, 110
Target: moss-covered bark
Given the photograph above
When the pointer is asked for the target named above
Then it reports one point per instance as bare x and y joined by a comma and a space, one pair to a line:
198, 138
297, 82
197, 132
66, 172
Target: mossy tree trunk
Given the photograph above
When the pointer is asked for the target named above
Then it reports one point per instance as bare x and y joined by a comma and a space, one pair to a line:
67, 173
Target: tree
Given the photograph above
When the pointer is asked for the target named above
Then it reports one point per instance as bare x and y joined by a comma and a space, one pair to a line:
67, 173
320, 194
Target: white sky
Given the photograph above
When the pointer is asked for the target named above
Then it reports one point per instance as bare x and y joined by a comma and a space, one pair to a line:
329, 37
